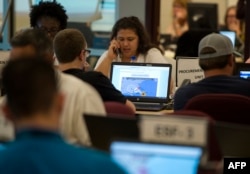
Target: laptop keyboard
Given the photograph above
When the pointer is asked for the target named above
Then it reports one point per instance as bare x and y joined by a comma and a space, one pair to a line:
148, 107
153, 106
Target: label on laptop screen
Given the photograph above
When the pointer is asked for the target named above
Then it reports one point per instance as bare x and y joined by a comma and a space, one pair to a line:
168, 129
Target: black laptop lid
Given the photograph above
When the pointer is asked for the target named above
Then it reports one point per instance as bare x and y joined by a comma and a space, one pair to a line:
242, 70
103, 129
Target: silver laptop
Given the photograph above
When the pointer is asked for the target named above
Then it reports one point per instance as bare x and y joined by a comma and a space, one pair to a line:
154, 158
147, 85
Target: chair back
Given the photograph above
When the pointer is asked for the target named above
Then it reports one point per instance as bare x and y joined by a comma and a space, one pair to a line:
214, 151
222, 107
118, 109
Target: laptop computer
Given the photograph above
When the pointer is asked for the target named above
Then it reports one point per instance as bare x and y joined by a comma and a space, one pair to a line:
242, 70
147, 85
233, 139
102, 130
155, 158
230, 34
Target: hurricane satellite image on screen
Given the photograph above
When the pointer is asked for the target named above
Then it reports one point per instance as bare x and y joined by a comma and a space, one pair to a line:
139, 86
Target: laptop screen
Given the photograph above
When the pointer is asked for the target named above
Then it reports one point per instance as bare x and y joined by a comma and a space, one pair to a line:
242, 70
230, 34
245, 74
142, 81
141, 157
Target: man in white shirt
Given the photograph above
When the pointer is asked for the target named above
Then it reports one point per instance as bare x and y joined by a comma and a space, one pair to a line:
80, 97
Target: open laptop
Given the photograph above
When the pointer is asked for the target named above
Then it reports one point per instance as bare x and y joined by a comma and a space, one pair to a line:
230, 34
242, 70
147, 85
102, 130
233, 139
154, 158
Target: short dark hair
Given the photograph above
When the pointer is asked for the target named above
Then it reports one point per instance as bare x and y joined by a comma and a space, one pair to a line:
68, 44
35, 37
51, 9
134, 24
22, 80
214, 63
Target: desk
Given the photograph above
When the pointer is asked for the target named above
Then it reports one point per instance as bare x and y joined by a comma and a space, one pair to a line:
161, 112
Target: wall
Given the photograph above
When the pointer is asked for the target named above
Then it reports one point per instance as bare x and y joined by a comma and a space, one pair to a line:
131, 7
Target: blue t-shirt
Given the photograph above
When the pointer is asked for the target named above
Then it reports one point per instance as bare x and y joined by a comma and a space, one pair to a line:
38, 151
214, 84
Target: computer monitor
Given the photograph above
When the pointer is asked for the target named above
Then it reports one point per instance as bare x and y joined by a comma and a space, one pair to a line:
202, 16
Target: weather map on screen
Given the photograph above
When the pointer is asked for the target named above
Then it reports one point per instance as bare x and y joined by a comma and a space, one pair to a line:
139, 86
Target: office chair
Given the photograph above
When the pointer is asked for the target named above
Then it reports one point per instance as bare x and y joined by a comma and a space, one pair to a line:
222, 107
118, 109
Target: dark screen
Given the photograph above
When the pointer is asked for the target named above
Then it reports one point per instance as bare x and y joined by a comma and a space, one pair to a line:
202, 16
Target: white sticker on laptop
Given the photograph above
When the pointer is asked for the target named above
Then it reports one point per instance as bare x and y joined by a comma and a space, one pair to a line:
174, 129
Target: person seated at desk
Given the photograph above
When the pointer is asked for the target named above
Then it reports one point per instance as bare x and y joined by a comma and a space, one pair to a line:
129, 39
48, 16
179, 23
71, 51
38, 147
80, 97
231, 23
216, 59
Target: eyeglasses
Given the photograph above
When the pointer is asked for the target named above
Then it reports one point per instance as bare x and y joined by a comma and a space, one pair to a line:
86, 52
51, 31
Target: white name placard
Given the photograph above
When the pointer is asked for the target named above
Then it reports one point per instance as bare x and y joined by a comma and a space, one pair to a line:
188, 68
174, 129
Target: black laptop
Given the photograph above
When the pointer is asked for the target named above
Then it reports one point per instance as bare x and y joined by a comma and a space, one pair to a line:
102, 130
147, 85
242, 70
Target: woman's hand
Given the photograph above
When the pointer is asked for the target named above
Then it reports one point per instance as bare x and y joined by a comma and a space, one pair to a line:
113, 50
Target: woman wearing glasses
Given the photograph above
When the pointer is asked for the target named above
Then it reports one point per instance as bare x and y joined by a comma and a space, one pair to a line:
48, 16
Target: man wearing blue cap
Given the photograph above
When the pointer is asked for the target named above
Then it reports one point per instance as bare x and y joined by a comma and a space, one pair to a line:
216, 58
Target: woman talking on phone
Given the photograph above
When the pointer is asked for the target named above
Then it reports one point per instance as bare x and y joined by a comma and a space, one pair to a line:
179, 23
129, 43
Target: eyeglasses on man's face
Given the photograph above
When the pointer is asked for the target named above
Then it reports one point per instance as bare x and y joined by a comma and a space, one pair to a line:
86, 52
